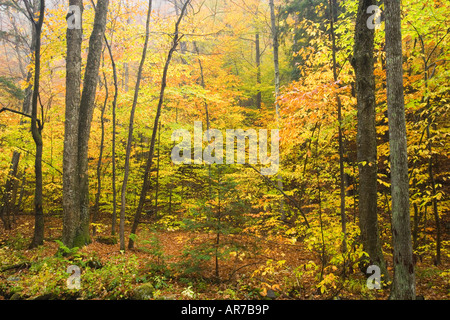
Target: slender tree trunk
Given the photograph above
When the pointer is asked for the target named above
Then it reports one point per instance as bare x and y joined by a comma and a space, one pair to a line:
100, 159
36, 130
333, 8
258, 71
146, 182
363, 63
114, 121
434, 200
208, 123
5, 209
276, 62
157, 171
131, 129
403, 286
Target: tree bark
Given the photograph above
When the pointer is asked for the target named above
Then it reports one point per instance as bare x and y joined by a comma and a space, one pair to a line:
333, 9
146, 183
114, 122
87, 105
79, 113
258, 71
131, 129
71, 194
5, 209
363, 63
276, 62
36, 129
100, 159
403, 287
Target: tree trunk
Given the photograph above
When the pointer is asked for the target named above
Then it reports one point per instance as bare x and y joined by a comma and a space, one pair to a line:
114, 121
157, 171
100, 159
403, 287
71, 194
333, 9
363, 63
258, 71
79, 113
276, 62
130, 130
6, 207
146, 183
36, 130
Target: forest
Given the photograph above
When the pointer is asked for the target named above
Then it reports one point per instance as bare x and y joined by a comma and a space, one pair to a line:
224, 150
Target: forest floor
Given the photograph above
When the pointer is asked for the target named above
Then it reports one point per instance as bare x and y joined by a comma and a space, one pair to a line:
262, 269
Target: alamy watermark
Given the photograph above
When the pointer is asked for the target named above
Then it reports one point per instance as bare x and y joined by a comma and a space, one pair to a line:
214, 151
74, 18
374, 281
74, 280
374, 21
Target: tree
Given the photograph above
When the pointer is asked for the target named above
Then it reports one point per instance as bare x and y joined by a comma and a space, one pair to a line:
146, 183
276, 63
36, 125
403, 287
333, 20
79, 113
131, 128
17, 41
363, 63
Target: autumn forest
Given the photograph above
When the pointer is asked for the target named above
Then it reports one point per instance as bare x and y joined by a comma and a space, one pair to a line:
224, 150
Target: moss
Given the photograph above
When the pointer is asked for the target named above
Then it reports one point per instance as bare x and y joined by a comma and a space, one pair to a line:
143, 292
81, 239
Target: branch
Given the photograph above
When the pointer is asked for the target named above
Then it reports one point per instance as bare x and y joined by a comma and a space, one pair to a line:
20, 113
295, 203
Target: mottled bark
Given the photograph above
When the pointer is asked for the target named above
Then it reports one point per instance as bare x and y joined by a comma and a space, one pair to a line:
403, 287
363, 63
71, 194
85, 118
79, 111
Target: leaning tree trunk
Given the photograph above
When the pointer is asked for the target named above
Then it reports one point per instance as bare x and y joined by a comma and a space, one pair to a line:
36, 129
131, 129
403, 287
363, 63
146, 183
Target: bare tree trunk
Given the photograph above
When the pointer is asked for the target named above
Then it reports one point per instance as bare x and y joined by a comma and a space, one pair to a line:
276, 62
100, 159
146, 183
157, 171
76, 178
71, 194
37, 127
5, 209
258, 70
114, 122
363, 64
131, 128
333, 8
403, 286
